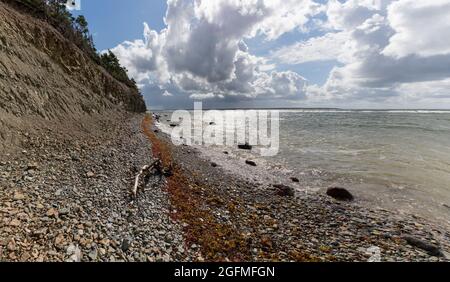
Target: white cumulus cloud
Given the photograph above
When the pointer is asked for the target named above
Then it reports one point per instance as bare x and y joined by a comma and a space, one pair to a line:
202, 50
422, 28
395, 45
386, 51
331, 46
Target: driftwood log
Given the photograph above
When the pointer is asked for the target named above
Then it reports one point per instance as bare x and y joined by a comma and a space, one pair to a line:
145, 170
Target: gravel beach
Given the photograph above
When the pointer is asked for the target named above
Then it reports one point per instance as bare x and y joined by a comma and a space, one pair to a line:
69, 200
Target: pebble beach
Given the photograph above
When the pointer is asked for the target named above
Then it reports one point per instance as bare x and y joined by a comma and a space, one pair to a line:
70, 201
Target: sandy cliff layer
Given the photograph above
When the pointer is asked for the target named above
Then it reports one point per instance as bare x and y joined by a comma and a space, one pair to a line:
45, 80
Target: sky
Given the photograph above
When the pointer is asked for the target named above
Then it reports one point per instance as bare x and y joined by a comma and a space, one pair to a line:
392, 54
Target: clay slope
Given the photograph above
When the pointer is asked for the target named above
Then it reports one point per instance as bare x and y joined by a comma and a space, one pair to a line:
46, 81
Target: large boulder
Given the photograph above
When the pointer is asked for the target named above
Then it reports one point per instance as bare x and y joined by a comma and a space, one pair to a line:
340, 194
284, 191
245, 146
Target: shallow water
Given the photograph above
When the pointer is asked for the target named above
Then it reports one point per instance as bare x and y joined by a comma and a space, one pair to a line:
393, 159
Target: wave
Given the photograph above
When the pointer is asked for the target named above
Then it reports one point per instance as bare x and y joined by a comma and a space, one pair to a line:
368, 111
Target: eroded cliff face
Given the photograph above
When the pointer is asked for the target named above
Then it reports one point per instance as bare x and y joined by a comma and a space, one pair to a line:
46, 80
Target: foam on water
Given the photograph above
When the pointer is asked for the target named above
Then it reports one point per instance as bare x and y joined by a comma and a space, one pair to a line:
394, 159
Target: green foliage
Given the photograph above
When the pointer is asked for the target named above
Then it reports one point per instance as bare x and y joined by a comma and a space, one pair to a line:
74, 29
111, 63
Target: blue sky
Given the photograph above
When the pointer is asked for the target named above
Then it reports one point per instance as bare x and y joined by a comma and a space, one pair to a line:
127, 21
114, 21
286, 53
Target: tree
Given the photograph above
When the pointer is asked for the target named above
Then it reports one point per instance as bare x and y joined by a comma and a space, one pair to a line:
75, 30
82, 25
111, 63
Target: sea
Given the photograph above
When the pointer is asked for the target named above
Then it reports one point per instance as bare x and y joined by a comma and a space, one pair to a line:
392, 159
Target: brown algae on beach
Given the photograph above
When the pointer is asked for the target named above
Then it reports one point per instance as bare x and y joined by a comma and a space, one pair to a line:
217, 241
193, 205
230, 217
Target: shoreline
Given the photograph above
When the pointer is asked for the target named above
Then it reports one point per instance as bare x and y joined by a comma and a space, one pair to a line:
377, 188
383, 226
69, 200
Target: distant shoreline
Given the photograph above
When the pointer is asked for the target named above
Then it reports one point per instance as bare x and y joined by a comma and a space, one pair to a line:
308, 109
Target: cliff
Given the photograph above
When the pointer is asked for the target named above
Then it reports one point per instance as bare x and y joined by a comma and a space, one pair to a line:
47, 80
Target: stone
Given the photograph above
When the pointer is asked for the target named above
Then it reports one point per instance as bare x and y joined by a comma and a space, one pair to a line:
266, 242
251, 163
295, 179
14, 223
75, 157
431, 249
25, 257
27, 178
64, 212
19, 196
90, 174
60, 241
245, 146
125, 245
102, 251
52, 212
11, 245
93, 255
340, 194
32, 166
74, 253
284, 190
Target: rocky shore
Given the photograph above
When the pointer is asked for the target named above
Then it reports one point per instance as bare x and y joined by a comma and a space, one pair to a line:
69, 200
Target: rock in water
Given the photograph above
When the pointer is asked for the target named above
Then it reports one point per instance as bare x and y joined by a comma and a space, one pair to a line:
245, 146
431, 249
284, 191
295, 179
340, 194
249, 162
